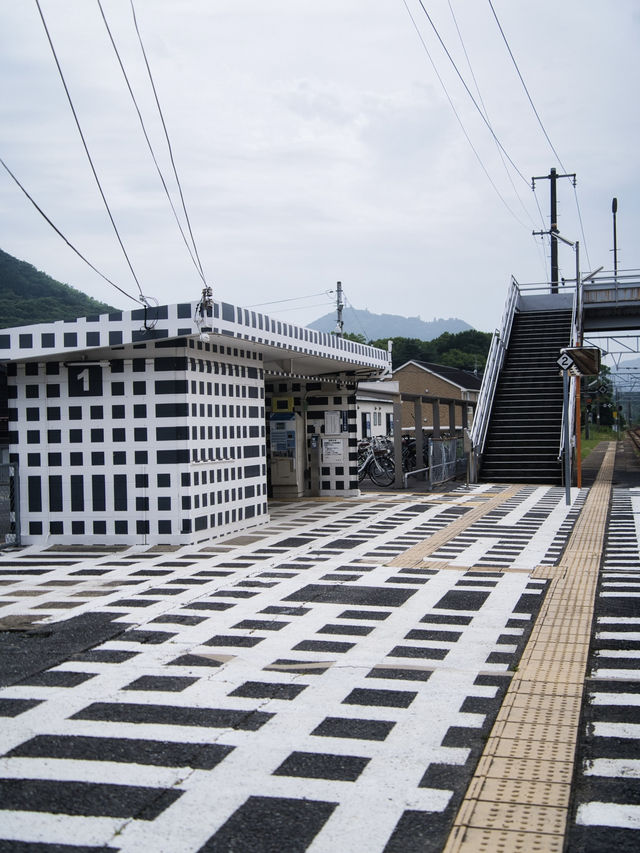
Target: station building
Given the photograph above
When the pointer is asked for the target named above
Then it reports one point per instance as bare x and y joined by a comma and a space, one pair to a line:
174, 425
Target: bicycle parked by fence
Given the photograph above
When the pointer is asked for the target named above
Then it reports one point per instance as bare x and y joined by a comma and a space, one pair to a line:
375, 460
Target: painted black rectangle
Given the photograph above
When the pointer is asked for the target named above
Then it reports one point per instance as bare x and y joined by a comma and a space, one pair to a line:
381, 698
400, 674
268, 690
201, 756
322, 646
15, 707
353, 728
318, 765
173, 715
351, 594
85, 799
77, 492
245, 642
171, 386
462, 600
120, 492
352, 630
437, 636
55, 493
417, 652
270, 824
34, 494
378, 615
98, 495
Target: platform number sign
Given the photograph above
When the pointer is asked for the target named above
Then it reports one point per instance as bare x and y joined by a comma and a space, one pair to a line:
85, 380
565, 361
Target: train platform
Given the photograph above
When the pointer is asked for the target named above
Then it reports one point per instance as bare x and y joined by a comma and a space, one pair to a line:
404, 671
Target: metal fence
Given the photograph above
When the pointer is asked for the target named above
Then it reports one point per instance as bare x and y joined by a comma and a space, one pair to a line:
446, 459
9, 505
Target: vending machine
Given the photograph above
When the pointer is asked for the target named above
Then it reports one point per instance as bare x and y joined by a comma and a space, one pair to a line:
288, 454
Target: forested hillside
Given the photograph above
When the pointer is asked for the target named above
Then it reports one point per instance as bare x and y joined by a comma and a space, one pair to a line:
464, 350
29, 296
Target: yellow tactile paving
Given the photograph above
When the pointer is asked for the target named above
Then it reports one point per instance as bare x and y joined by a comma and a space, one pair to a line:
518, 799
415, 556
502, 841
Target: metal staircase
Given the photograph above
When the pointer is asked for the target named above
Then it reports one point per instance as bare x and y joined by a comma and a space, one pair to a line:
524, 430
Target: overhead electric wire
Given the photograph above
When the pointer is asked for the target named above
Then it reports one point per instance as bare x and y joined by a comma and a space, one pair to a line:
60, 234
291, 299
305, 307
584, 239
542, 127
486, 112
462, 127
86, 148
468, 91
166, 134
357, 316
149, 145
524, 85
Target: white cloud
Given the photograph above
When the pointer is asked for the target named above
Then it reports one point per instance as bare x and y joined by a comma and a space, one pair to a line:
315, 143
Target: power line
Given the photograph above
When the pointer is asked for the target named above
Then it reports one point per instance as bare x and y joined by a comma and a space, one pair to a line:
584, 239
468, 91
291, 299
462, 127
305, 307
524, 85
486, 112
60, 234
166, 134
537, 115
86, 148
148, 141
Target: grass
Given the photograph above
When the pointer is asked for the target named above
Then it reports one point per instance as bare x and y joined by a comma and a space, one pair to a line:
596, 435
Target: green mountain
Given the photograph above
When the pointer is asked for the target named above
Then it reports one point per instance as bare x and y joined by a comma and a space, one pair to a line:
29, 296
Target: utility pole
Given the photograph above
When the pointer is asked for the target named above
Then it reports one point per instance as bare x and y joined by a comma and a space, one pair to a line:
552, 177
339, 307
614, 211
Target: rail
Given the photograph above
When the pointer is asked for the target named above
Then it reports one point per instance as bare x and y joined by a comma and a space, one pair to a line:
495, 360
609, 286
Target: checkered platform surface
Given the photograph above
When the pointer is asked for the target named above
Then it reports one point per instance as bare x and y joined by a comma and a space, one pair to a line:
283, 690
606, 814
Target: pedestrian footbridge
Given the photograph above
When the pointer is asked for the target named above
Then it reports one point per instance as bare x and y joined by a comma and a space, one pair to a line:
517, 433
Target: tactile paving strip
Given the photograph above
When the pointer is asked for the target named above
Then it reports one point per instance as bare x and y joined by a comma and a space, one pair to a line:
415, 556
518, 799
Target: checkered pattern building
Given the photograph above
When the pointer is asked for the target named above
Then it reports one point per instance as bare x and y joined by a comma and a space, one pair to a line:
129, 428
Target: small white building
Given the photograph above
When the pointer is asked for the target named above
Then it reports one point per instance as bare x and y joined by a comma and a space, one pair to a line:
167, 426
374, 402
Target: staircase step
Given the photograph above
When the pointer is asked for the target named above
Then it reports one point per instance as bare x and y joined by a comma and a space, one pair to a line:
523, 437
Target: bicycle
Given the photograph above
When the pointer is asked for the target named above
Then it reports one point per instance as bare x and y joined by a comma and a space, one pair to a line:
375, 460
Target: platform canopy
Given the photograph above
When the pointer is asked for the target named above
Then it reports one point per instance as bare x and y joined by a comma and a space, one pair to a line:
286, 349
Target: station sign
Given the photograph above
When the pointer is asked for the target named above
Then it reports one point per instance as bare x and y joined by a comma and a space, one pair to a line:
584, 360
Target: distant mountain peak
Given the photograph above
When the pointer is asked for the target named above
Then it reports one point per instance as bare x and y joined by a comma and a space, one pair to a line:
375, 326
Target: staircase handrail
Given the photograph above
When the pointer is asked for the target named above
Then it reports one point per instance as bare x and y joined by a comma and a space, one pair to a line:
495, 360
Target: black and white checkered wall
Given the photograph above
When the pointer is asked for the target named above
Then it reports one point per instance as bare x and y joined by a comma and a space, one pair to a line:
314, 399
131, 428
166, 446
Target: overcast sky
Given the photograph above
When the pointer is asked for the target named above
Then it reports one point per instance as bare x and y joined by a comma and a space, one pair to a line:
315, 142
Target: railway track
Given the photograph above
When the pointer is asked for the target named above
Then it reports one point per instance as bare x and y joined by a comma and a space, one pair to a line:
634, 435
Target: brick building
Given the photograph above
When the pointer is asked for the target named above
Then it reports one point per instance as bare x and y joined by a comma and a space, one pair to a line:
439, 381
